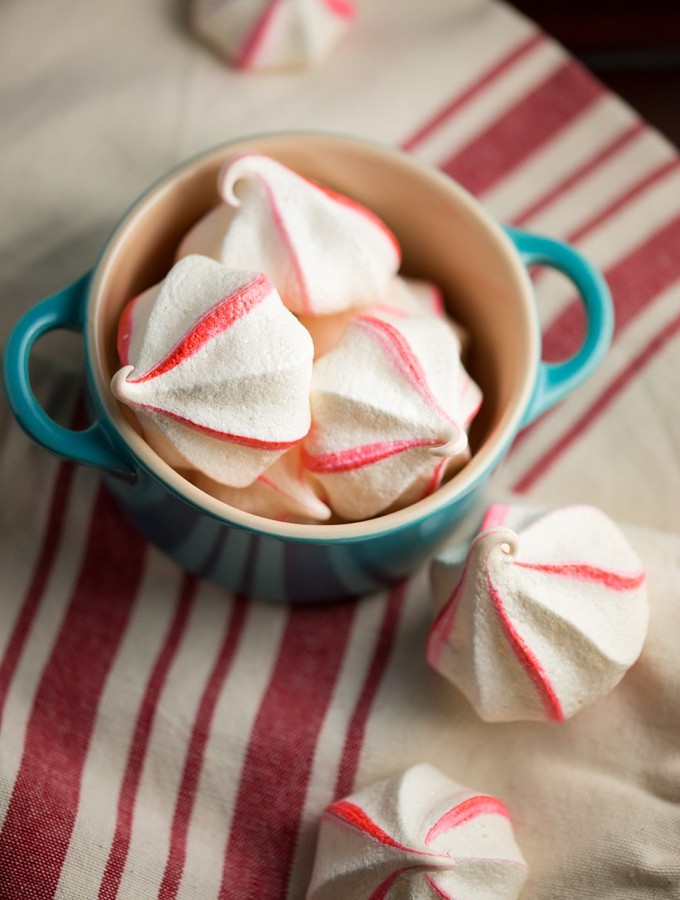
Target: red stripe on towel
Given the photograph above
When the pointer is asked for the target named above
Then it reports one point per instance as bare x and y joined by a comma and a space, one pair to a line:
43, 567
174, 864
470, 92
281, 751
44, 802
590, 165
354, 739
643, 358
532, 122
120, 845
41, 573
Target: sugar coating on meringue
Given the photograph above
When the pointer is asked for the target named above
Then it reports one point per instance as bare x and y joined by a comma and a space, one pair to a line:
545, 615
259, 34
420, 835
216, 370
324, 252
391, 404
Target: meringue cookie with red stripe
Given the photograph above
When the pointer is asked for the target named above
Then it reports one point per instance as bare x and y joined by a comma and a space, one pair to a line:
324, 252
272, 34
545, 615
405, 296
420, 835
283, 492
216, 370
413, 296
391, 404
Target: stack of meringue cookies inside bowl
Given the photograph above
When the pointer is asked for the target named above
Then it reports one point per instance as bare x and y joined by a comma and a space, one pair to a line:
284, 366
285, 311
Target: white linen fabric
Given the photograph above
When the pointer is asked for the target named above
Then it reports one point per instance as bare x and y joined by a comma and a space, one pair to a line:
161, 738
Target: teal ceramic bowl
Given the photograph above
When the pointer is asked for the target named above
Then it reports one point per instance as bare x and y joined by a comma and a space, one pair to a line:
446, 236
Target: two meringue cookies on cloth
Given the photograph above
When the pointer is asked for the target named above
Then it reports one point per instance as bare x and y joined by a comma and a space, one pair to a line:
544, 615
285, 367
418, 835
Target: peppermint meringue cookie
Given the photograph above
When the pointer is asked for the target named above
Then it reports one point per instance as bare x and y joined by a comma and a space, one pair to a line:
418, 835
405, 296
261, 34
282, 492
324, 252
542, 618
216, 370
391, 404
412, 296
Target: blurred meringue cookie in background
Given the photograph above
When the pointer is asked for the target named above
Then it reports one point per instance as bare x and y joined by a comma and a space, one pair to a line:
324, 252
418, 835
271, 34
216, 370
544, 615
391, 403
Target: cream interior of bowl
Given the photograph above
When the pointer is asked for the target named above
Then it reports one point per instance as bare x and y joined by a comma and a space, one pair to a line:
445, 236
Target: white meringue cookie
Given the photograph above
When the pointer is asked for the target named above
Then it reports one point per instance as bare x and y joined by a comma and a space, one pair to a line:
390, 406
405, 296
419, 297
324, 252
418, 835
412, 296
281, 492
541, 621
216, 369
261, 34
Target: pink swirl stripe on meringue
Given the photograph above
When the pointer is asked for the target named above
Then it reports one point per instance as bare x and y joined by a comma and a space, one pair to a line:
364, 455
526, 658
401, 354
354, 815
495, 515
360, 209
279, 221
617, 581
437, 299
468, 386
470, 808
255, 443
446, 618
435, 479
250, 46
383, 889
216, 320
436, 890
345, 9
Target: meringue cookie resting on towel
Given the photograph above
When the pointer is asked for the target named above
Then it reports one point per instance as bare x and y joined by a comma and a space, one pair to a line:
281, 492
541, 620
390, 407
324, 252
418, 835
261, 34
216, 369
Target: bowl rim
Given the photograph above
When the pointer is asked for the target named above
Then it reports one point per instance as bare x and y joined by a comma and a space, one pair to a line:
449, 494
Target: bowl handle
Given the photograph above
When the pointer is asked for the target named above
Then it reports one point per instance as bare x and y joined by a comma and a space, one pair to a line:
556, 380
65, 309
